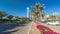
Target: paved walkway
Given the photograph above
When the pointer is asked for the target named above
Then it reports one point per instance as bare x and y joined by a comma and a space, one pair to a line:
34, 30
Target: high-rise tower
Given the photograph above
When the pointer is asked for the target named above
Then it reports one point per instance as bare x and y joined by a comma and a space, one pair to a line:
28, 12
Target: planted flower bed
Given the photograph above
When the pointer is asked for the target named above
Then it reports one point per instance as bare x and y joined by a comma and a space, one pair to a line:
45, 30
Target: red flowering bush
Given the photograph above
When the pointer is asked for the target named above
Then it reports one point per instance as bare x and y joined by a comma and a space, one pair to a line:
45, 30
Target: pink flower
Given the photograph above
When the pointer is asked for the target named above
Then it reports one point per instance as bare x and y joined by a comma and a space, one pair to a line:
42, 29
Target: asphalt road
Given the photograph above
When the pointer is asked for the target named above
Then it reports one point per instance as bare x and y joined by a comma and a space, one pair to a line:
18, 28
22, 29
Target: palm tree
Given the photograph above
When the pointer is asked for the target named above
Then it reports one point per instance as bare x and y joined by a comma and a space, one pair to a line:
2, 14
53, 17
37, 12
16, 17
58, 19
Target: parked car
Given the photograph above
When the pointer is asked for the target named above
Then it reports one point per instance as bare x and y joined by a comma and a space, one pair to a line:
44, 21
53, 22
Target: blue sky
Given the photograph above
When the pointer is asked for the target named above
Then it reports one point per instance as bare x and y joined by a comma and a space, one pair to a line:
18, 7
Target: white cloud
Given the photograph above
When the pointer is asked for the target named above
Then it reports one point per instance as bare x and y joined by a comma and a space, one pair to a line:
54, 13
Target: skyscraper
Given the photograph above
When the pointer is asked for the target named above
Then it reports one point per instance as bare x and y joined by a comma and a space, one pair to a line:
28, 12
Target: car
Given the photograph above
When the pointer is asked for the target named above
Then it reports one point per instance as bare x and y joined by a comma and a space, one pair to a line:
44, 21
53, 23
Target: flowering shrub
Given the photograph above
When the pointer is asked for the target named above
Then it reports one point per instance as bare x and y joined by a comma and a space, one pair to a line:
45, 30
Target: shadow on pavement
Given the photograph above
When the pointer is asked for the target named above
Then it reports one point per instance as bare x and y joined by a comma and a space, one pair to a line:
8, 32
4, 27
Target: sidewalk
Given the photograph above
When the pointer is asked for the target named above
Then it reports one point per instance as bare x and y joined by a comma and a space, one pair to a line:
34, 29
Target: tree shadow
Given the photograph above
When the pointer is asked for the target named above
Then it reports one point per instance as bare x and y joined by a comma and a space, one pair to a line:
4, 27
8, 32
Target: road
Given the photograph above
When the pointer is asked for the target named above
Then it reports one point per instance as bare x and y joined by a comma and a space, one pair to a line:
22, 29
14, 29
29, 28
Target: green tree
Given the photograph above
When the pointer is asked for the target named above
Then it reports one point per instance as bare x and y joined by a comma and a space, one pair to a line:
16, 17
2, 14
25, 19
10, 17
53, 17
37, 12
